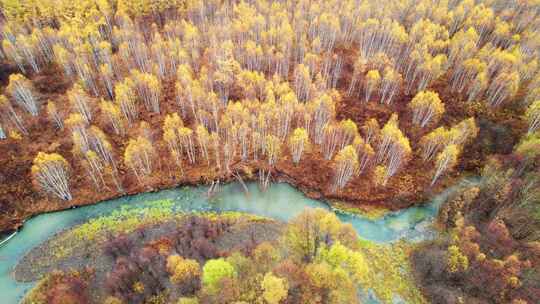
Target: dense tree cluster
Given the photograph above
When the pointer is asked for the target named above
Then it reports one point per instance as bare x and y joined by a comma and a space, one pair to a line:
315, 258
366, 88
228, 67
493, 236
143, 273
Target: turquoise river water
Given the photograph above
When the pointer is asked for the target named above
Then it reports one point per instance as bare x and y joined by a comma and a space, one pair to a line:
280, 201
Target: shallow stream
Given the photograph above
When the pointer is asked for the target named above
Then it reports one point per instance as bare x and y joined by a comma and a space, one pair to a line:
281, 201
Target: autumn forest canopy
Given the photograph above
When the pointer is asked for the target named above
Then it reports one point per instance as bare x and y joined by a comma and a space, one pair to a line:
379, 105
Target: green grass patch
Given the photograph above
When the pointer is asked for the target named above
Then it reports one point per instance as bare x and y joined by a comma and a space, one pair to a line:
369, 212
391, 271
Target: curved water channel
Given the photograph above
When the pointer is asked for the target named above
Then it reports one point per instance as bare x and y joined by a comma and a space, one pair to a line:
281, 201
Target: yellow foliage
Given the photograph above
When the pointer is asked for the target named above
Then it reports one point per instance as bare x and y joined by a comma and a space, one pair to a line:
272, 148
299, 140
75, 120
113, 300
274, 289
181, 269
347, 156
44, 160
456, 260
15, 135
379, 175
424, 104
138, 153
351, 261
373, 77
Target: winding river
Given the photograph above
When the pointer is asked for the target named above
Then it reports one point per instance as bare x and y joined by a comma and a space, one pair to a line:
281, 201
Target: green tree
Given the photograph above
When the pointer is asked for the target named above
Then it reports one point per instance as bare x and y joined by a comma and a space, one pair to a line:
529, 147
214, 271
351, 261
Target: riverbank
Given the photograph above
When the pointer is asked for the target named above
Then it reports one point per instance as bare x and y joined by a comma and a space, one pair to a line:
311, 187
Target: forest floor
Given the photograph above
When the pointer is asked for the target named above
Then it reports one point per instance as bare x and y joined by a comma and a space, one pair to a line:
19, 200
